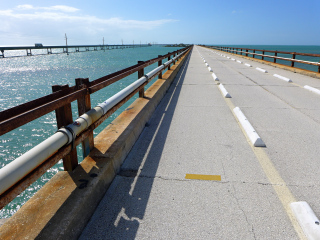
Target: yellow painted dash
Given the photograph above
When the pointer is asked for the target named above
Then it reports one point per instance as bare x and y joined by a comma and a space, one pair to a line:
203, 177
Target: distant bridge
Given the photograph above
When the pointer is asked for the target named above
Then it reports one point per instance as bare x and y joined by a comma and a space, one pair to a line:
67, 49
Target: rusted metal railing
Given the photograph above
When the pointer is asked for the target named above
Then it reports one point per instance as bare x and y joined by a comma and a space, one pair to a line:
60, 102
255, 52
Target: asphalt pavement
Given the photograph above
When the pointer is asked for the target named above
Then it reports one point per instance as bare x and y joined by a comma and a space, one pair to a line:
195, 131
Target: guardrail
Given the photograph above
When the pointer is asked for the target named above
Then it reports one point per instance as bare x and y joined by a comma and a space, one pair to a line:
16, 176
261, 53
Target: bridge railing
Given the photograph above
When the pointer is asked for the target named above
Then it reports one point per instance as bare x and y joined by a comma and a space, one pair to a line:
290, 57
16, 176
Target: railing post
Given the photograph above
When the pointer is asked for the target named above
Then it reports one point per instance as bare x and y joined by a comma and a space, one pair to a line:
159, 64
169, 64
275, 54
262, 55
246, 52
293, 57
64, 118
241, 51
254, 51
140, 75
84, 105
319, 67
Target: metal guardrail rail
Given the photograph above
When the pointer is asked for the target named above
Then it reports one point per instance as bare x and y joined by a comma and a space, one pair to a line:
258, 52
16, 176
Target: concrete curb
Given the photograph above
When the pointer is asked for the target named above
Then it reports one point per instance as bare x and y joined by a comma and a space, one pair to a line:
251, 133
312, 89
224, 91
282, 78
307, 219
63, 206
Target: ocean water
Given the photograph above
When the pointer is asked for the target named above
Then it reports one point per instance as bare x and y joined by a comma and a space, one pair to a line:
23, 79
287, 48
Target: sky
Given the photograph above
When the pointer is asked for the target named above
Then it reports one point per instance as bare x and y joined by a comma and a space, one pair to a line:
215, 22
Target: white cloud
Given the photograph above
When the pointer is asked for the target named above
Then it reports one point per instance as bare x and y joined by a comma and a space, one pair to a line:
62, 8
31, 22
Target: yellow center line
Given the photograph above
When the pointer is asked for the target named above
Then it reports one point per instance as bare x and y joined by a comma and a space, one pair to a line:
284, 194
203, 177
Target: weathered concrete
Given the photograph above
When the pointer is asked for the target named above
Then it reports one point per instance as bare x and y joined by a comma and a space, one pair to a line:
61, 209
193, 131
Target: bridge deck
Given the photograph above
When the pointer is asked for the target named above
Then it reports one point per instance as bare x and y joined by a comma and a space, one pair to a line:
194, 131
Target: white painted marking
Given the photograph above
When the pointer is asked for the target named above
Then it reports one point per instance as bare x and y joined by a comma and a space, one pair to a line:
251, 133
312, 89
210, 69
224, 91
239, 61
307, 219
215, 77
282, 78
261, 70
247, 64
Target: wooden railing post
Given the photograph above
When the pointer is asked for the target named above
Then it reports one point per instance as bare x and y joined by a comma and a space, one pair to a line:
64, 118
275, 54
254, 51
141, 74
247, 52
169, 60
159, 64
84, 105
293, 57
262, 55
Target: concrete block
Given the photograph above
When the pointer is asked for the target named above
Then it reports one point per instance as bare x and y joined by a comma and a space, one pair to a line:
224, 91
249, 130
312, 89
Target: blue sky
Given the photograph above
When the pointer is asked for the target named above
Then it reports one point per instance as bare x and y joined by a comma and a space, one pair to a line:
254, 22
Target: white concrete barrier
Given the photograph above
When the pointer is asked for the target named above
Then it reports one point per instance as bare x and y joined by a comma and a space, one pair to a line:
239, 61
251, 133
224, 91
307, 219
207, 64
215, 77
282, 78
261, 70
210, 69
232, 59
312, 89
248, 65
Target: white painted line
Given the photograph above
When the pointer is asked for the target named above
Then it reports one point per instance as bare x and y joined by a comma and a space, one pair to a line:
232, 59
262, 70
239, 61
210, 69
312, 89
247, 64
282, 78
251, 133
207, 64
224, 91
215, 77
307, 219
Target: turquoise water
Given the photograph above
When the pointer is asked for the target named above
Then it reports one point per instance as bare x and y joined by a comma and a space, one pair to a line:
23, 79
287, 48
